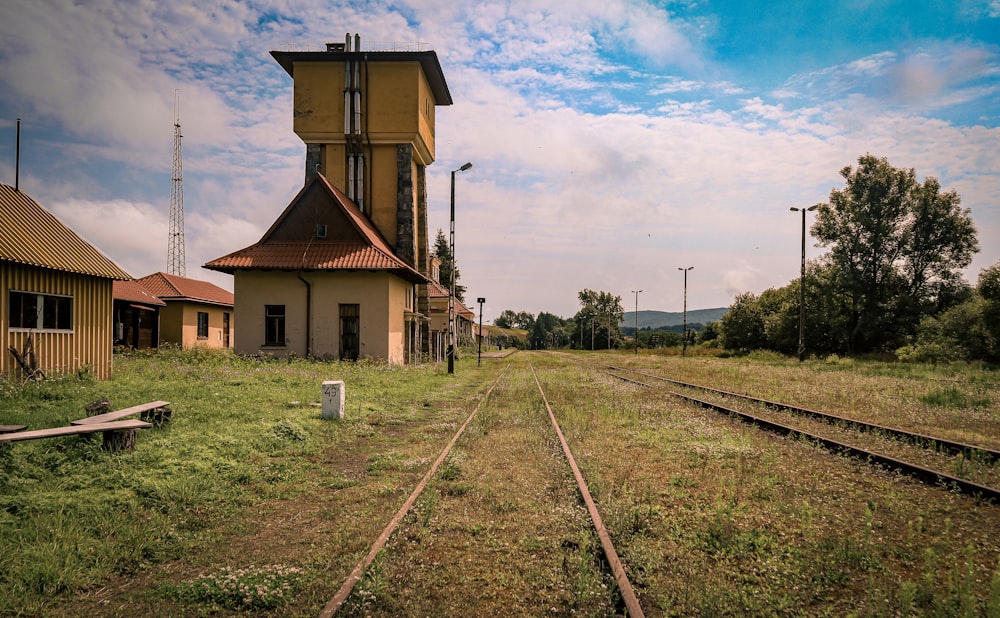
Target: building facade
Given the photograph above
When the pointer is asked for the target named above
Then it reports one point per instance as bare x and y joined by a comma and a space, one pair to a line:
136, 316
57, 292
367, 121
322, 282
195, 313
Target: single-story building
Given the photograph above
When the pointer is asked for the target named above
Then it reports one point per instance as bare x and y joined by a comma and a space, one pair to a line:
136, 316
323, 282
195, 313
56, 293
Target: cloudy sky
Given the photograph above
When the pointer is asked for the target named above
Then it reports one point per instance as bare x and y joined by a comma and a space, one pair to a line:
613, 141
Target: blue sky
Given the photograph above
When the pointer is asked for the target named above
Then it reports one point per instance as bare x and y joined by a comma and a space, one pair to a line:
613, 141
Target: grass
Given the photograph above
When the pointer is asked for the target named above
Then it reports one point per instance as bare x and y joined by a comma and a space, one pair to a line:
249, 502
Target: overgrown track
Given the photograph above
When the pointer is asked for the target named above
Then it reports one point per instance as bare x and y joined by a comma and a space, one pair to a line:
930, 442
932, 477
628, 596
621, 578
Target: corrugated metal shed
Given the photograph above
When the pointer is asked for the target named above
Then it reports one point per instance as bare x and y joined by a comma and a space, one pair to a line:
33, 236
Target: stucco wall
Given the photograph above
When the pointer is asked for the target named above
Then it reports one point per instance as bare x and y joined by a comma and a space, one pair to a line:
179, 324
381, 298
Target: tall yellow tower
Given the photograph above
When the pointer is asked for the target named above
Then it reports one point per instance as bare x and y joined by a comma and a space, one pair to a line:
367, 119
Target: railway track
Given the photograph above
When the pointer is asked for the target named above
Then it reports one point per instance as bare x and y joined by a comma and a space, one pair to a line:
610, 556
930, 446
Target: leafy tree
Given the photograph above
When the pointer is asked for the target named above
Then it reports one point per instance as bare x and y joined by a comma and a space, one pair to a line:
897, 246
597, 321
967, 331
511, 319
742, 327
710, 334
442, 251
546, 332
989, 290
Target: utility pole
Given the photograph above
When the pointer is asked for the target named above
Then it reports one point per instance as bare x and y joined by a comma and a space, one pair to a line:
452, 335
684, 334
636, 292
802, 284
480, 300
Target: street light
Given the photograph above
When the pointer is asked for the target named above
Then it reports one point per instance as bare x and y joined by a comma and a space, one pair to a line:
684, 334
480, 300
636, 292
802, 284
451, 295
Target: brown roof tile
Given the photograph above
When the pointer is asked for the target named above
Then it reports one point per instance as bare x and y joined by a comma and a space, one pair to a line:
133, 292
173, 287
31, 235
369, 250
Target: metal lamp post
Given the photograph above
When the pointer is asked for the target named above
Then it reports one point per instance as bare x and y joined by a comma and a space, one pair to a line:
480, 300
636, 292
802, 284
451, 294
684, 333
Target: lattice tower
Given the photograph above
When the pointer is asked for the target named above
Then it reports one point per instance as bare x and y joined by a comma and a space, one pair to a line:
175, 243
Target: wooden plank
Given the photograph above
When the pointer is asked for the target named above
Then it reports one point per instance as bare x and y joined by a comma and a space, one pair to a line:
118, 414
70, 430
11, 428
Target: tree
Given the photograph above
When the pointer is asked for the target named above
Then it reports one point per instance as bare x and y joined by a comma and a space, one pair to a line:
897, 247
967, 331
597, 322
546, 332
443, 252
742, 327
510, 319
710, 335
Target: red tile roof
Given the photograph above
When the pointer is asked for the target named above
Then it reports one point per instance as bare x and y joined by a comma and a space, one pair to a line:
437, 291
133, 292
31, 235
173, 287
369, 250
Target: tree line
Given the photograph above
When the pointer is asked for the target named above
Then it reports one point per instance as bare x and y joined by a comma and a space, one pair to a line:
889, 284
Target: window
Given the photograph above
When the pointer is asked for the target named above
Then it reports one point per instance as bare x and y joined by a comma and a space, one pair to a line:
320, 230
274, 325
202, 325
41, 311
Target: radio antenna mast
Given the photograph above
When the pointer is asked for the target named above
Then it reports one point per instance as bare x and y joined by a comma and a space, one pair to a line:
175, 244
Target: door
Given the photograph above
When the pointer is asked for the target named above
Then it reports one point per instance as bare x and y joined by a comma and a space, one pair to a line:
350, 332
225, 329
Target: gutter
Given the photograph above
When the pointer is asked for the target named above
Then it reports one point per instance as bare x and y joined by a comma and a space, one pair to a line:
308, 314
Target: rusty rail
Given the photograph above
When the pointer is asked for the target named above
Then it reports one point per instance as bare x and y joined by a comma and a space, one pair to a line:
926, 475
334, 604
621, 578
948, 446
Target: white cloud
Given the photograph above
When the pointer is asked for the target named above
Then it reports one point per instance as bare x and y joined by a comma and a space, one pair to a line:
561, 197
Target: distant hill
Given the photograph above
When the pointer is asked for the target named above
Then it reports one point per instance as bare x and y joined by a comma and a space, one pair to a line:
657, 319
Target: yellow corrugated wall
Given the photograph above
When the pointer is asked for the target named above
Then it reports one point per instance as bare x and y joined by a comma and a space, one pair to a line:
90, 342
